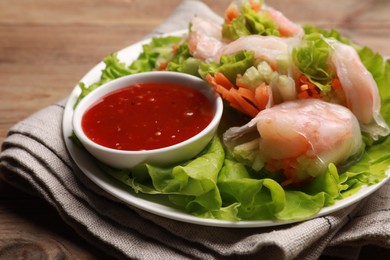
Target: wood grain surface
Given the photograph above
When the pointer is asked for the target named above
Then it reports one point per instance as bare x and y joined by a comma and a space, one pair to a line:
46, 46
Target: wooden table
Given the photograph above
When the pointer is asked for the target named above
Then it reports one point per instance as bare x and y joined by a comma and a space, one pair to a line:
46, 47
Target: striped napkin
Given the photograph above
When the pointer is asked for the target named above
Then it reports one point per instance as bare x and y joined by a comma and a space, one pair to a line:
34, 158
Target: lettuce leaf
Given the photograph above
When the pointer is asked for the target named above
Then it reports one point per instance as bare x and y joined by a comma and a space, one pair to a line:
256, 198
300, 205
191, 185
158, 51
312, 60
328, 183
113, 69
229, 65
249, 22
183, 62
310, 29
264, 198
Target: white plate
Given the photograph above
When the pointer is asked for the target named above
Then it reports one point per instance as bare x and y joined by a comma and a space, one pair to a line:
153, 203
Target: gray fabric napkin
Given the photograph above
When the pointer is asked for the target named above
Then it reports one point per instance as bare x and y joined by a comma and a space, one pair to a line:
34, 158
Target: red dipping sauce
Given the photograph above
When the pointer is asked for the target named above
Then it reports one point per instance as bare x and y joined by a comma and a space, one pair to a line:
147, 116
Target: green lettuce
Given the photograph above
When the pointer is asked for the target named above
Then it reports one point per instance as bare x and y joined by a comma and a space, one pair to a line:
249, 22
256, 198
229, 65
158, 51
191, 186
183, 62
310, 29
312, 60
264, 198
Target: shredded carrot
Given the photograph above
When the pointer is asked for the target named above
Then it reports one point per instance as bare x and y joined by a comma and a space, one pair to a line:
262, 94
231, 13
218, 88
288, 171
303, 95
255, 5
174, 48
284, 165
223, 80
247, 107
237, 107
240, 84
225, 93
163, 66
243, 99
305, 81
210, 79
307, 89
247, 94
338, 90
336, 84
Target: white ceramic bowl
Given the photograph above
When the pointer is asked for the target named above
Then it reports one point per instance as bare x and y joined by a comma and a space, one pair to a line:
162, 156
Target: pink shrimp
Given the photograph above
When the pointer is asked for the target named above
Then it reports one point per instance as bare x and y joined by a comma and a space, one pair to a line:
300, 137
360, 89
267, 48
285, 26
205, 38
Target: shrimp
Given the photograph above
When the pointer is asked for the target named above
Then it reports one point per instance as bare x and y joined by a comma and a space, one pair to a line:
267, 48
205, 38
270, 84
360, 89
285, 26
300, 138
